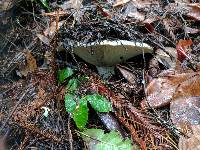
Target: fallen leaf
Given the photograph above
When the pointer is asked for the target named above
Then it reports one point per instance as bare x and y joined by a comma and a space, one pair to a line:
191, 30
181, 49
50, 31
191, 143
120, 2
167, 87
167, 57
44, 39
194, 11
31, 64
185, 110
128, 75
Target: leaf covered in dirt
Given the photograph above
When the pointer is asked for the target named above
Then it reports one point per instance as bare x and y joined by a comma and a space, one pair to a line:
96, 139
128, 75
194, 11
98, 102
44, 39
191, 143
185, 111
181, 49
31, 64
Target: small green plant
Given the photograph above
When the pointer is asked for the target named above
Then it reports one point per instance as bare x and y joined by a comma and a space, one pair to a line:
96, 139
44, 4
76, 104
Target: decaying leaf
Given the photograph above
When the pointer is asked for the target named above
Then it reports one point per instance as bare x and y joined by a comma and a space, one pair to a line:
185, 110
31, 64
128, 75
168, 87
44, 39
72, 4
191, 30
191, 143
50, 31
194, 11
181, 49
120, 2
182, 90
167, 57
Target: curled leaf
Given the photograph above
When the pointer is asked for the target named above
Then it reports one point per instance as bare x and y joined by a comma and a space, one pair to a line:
194, 11
181, 47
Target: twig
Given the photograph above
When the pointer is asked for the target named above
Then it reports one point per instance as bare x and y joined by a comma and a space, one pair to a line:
70, 133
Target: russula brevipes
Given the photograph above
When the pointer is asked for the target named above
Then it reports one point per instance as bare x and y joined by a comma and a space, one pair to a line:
110, 53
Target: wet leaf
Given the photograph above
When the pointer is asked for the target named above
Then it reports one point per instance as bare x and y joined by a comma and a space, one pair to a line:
99, 103
191, 30
191, 143
80, 115
170, 86
51, 31
96, 139
120, 2
185, 111
31, 64
64, 73
72, 85
128, 75
181, 49
194, 11
44, 39
45, 4
70, 103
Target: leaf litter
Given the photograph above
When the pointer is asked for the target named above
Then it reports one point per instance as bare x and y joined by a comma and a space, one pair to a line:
168, 82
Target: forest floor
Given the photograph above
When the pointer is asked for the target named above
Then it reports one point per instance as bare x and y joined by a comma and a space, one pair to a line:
61, 86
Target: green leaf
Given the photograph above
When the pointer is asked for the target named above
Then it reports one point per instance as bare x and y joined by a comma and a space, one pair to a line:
99, 103
80, 115
97, 140
45, 4
64, 73
88, 133
72, 84
70, 103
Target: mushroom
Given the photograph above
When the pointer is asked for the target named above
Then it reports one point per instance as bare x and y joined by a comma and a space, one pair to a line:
106, 54
110, 53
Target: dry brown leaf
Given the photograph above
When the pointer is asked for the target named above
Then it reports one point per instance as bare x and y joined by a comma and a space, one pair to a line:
44, 39
31, 64
194, 11
128, 75
191, 143
50, 31
167, 57
165, 88
182, 90
75, 4
185, 111
191, 30
120, 2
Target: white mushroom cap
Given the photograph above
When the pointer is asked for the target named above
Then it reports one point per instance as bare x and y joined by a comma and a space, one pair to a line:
109, 53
